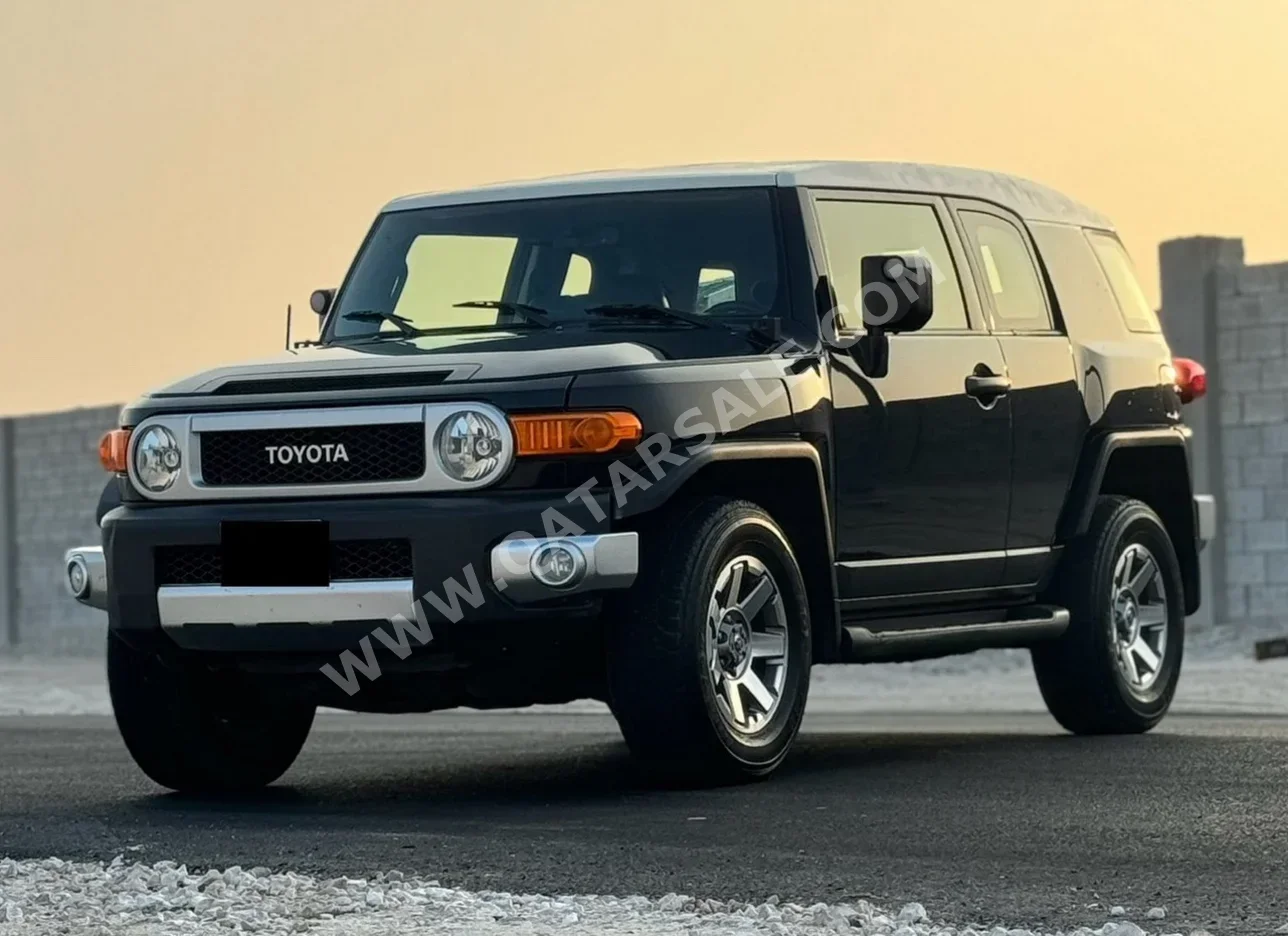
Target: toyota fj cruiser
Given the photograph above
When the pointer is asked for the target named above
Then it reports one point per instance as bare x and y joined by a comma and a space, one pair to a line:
663, 439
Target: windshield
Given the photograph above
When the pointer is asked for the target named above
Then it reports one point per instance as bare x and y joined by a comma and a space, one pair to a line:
621, 262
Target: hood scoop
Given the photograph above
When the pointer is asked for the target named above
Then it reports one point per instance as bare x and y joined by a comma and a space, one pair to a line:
316, 383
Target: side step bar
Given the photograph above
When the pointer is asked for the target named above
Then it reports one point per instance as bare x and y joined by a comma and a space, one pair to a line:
1024, 626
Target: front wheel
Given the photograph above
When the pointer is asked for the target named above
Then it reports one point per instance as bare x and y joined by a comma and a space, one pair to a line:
709, 654
1116, 668
194, 733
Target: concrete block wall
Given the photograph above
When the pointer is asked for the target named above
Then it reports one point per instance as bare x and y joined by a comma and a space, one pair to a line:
1250, 307
55, 482
1233, 317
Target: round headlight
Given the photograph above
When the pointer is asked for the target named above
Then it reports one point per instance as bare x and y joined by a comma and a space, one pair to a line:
157, 459
469, 445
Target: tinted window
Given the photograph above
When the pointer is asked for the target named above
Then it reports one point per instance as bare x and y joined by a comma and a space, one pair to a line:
1121, 273
853, 230
1008, 273
1081, 288
565, 256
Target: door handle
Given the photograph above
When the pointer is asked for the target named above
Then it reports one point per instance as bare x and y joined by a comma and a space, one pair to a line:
987, 387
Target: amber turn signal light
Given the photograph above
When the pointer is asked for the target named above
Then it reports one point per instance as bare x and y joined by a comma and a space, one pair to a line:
575, 433
112, 449
1191, 379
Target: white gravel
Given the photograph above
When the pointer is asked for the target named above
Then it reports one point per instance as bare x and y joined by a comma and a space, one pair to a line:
1217, 678
164, 899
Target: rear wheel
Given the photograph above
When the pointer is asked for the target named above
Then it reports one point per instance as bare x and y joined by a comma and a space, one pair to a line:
709, 655
1116, 668
192, 732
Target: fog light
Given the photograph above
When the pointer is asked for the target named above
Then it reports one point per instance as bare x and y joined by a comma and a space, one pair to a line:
77, 577
558, 565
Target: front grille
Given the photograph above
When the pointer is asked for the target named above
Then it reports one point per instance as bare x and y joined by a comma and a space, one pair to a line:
349, 560
371, 559
189, 565
381, 452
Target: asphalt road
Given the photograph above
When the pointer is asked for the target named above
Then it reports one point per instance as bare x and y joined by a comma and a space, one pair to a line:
982, 818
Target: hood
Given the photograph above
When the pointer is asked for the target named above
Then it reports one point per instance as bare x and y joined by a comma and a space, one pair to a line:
426, 361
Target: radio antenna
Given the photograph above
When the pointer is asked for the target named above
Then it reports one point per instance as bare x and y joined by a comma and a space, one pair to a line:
288, 327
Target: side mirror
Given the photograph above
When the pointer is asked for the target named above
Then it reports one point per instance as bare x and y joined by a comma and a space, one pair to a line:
897, 294
320, 300
897, 291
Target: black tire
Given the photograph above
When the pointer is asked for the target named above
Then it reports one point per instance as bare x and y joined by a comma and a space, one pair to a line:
192, 733
660, 686
1079, 675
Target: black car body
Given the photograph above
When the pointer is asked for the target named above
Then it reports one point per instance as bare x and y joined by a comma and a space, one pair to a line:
930, 486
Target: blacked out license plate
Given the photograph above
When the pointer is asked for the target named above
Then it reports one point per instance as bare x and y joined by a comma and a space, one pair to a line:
284, 552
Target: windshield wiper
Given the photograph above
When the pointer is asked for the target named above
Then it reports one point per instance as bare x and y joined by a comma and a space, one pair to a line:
401, 322
647, 313
529, 313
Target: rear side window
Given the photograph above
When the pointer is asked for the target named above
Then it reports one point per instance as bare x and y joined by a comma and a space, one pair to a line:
1008, 273
577, 279
1086, 300
1121, 274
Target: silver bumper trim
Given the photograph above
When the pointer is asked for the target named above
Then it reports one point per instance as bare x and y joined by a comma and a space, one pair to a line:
248, 607
85, 575
612, 560
1205, 518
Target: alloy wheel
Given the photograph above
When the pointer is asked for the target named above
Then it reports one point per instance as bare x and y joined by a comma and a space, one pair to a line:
1138, 606
747, 648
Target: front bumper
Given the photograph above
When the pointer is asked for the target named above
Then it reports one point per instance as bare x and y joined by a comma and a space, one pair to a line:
468, 564
607, 561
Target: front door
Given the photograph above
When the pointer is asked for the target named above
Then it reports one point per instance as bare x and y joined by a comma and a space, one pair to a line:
923, 455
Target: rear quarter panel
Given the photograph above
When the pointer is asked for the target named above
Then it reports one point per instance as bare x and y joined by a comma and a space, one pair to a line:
1118, 371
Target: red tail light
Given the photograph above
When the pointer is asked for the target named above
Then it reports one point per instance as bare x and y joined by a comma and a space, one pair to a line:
1191, 379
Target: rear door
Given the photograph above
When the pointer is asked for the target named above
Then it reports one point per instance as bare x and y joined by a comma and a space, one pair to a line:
1047, 410
922, 467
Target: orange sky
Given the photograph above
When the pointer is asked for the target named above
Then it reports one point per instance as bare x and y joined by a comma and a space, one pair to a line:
172, 174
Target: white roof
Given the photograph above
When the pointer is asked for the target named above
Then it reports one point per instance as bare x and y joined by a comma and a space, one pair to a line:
1029, 200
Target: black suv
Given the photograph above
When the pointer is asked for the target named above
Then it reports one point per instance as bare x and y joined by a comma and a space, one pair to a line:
663, 439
